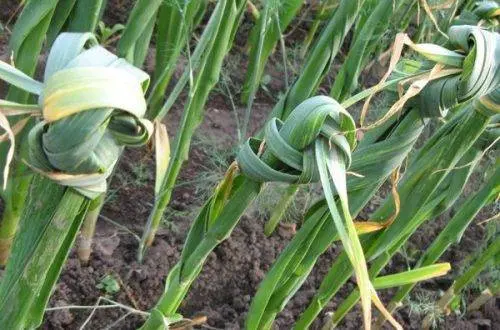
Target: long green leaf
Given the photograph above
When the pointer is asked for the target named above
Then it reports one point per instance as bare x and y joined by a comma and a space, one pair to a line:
411, 276
274, 18
175, 21
86, 15
135, 38
43, 233
86, 124
61, 14
454, 229
226, 15
347, 78
25, 46
320, 58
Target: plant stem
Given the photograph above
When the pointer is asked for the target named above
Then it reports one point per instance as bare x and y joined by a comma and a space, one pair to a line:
49, 222
285, 200
320, 58
25, 44
486, 256
326, 8
485, 296
174, 24
274, 18
88, 228
228, 13
201, 240
453, 231
362, 48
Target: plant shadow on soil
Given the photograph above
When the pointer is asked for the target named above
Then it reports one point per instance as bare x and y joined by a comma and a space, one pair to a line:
233, 271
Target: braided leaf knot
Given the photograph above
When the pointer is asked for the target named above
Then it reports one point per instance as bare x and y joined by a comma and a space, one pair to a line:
92, 105
289, 154
479, 77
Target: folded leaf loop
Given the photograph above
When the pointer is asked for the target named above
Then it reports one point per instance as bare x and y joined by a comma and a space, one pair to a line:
480, 71
92, 104
292, 142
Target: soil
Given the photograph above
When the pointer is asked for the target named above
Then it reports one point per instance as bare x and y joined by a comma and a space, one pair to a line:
234, 269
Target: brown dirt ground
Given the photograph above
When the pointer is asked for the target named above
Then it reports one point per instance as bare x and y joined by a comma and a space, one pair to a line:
233, 271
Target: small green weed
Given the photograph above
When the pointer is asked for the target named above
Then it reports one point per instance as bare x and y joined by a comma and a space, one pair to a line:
109, 284
104, 33
423, 304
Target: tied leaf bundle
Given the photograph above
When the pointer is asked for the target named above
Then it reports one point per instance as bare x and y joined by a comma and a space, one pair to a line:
431, 173
380, 152
91, 104
325, 134
480, 74
36, 27
293, 146
295, 152
313, 144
